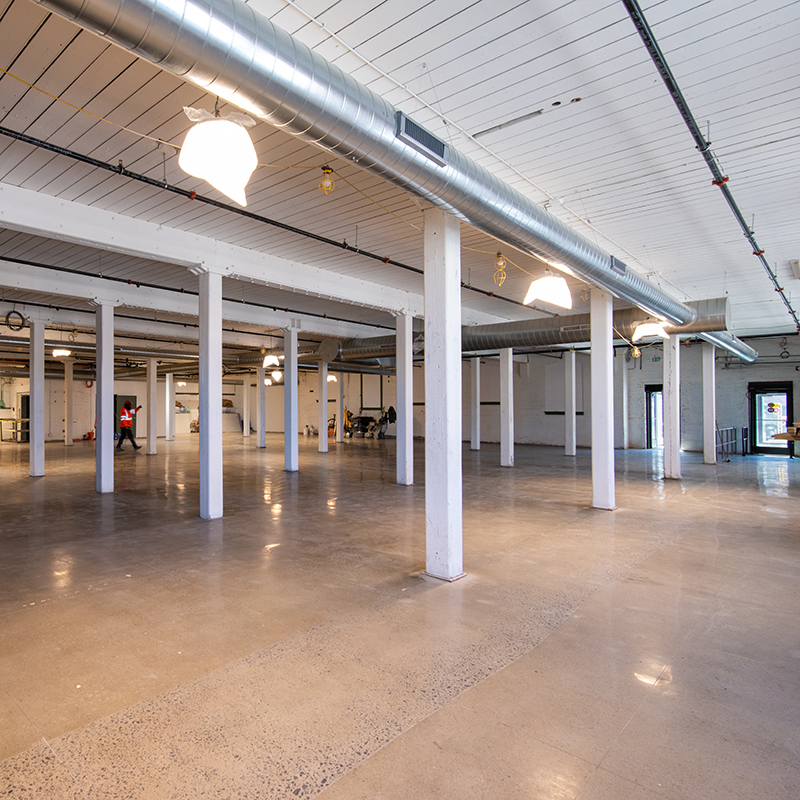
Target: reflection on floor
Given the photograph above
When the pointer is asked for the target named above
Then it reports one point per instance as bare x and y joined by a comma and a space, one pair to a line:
293, 649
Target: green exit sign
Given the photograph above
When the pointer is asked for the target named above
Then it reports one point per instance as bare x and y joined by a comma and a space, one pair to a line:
656, 358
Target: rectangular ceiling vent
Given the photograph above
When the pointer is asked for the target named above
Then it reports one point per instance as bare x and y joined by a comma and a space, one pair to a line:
618, 266
421, 140
574, 328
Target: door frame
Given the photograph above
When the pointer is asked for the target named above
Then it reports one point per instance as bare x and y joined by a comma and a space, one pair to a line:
650, 389
766, 387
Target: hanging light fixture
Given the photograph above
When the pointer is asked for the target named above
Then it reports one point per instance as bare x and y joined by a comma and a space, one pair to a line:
499, 270
326, 184
61, 353
181, 383
331, 379
277, 375
550, 289
271, 361
649, 329
219, 150
267, 382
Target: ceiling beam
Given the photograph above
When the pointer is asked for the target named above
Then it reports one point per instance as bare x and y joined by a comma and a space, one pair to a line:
28, 278
39, 214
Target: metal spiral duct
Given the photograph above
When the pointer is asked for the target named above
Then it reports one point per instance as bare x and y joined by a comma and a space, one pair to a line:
732, 344
230, 50
712, 315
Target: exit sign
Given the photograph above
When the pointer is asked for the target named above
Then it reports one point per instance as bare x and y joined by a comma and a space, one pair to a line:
656, 358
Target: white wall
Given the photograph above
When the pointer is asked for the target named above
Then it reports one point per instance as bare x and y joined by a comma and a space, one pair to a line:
532, 375
733, 376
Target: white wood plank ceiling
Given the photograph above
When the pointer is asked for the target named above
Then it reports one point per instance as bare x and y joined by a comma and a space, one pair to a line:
557, 97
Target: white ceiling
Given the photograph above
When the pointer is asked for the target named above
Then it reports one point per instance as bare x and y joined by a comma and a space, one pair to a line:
618, 163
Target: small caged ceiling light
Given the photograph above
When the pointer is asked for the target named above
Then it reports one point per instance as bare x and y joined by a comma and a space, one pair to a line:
326, 184
499, 270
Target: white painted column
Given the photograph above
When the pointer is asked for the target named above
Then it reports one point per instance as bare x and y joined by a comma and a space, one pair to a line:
405, 399
36, 408
69, 396
246, 407
104, 449
210, 412
507, 407
709, 404
475, 404
340, 420
322, 417
169, 408
602, 369
672, 408
570, 405
261, 415
443, 487
291, 419
152, 406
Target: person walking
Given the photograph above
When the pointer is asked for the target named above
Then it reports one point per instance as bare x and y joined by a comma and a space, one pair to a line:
125, 425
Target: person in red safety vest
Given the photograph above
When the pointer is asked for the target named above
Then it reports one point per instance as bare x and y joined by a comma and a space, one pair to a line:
125, 425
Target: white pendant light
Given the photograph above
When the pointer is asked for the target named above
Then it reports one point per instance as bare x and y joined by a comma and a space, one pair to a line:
331, 379
271, 361
61, 353
277, 374
550, 289
649, 329
219, 150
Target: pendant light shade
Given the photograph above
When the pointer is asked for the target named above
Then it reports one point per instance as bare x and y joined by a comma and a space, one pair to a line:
649, 329
271, 361
219, 151
550, 289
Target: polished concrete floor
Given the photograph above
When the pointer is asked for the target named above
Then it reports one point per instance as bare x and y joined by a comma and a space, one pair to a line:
293, 649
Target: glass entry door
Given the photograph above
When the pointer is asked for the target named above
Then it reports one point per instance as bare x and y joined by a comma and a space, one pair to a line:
771, 411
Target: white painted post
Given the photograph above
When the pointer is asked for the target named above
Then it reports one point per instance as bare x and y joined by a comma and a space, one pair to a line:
290, 402
322, 417
169, 408
709, 404
152, 406
475, 404
602, 370
507, 407
210, 411
405, 399
246, 407
340, 420
570, 405
261, 394
69, 396
104, 449
443, 488
672, 408
36, 402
